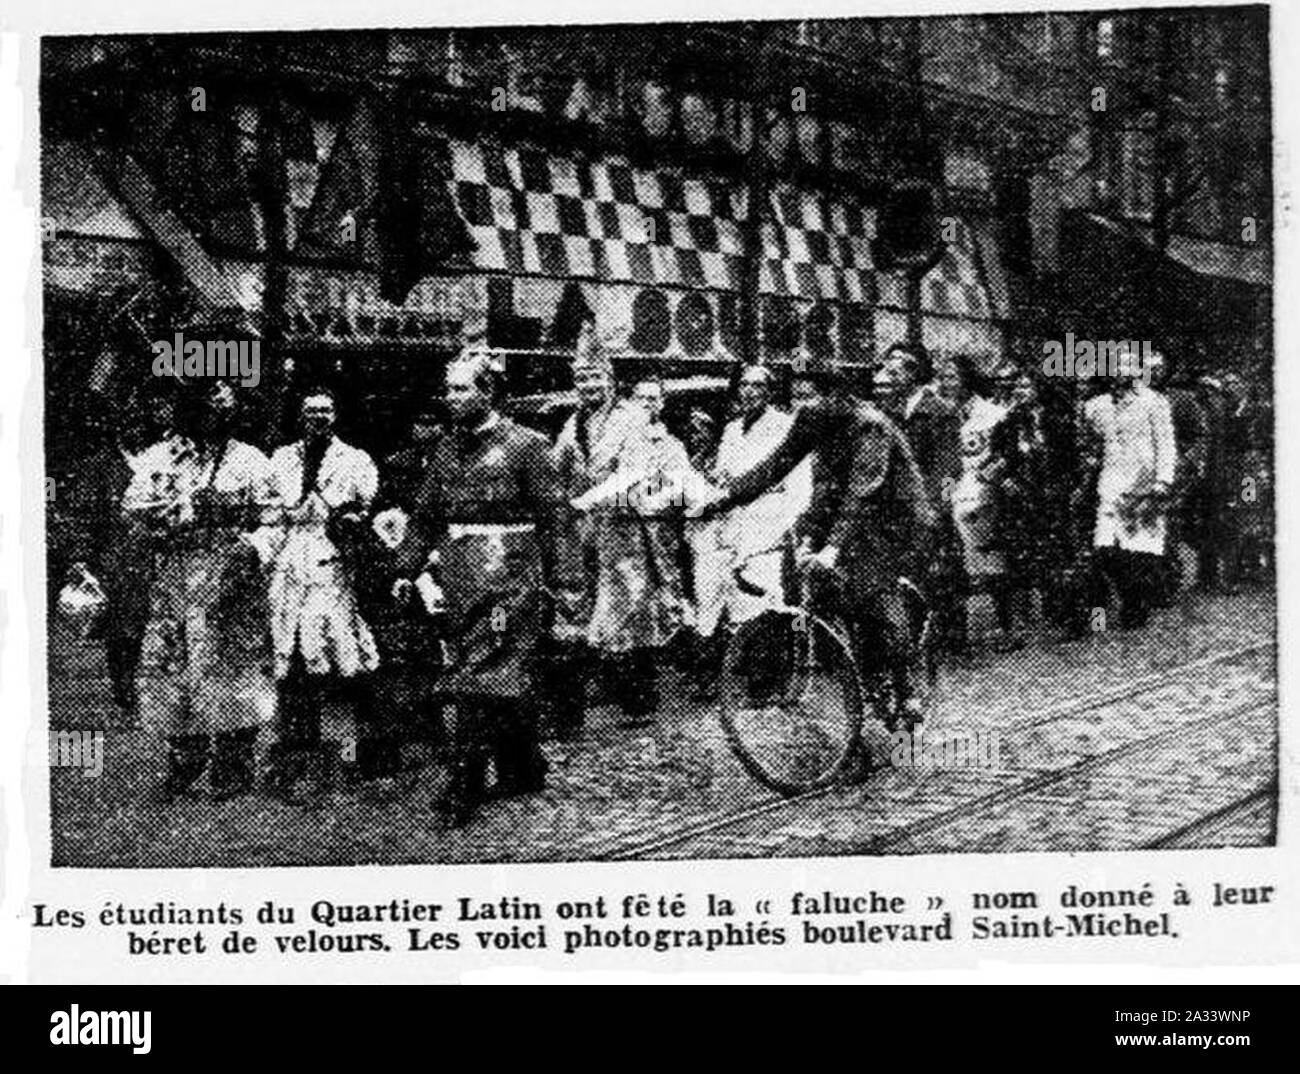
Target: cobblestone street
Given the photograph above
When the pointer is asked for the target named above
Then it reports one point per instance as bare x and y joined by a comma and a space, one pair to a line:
1196, 736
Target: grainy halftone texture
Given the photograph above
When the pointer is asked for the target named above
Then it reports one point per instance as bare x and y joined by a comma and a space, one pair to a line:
618, 192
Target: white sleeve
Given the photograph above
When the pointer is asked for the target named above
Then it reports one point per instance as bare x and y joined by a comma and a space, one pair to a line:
140, 490
1166, 448
269, 536
367, 479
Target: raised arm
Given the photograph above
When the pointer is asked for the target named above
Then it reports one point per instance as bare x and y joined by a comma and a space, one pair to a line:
810, 428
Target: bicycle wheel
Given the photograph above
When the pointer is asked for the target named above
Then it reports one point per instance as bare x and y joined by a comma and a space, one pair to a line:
790, 702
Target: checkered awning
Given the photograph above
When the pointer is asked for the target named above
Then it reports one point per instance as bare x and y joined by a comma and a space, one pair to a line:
534, 213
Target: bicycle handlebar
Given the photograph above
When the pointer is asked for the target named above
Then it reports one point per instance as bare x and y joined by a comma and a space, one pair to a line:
738, 571
904, 583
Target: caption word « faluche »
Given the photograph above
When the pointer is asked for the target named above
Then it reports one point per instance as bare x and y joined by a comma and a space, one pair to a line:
655, 921
651, 921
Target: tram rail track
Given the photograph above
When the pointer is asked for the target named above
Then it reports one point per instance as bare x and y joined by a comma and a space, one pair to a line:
649, 845
1191, 834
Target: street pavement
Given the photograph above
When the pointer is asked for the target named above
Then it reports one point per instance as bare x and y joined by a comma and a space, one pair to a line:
1067, 777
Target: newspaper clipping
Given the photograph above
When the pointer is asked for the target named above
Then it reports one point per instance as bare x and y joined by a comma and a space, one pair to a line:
503, 494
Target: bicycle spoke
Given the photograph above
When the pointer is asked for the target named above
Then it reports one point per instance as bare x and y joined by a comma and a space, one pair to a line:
789, 698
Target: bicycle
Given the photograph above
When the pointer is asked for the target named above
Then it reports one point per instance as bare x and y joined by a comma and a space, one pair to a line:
793, 698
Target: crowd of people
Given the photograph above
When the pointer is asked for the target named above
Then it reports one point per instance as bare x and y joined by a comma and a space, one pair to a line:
484, 585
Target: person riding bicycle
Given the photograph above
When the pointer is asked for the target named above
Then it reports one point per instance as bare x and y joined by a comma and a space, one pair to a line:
870, 521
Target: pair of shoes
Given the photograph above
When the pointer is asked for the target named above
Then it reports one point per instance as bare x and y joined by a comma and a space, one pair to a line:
514, 786
231, 773
520, 771
458, 808
234, 786
1007, 642
377, 759
184, 769
705, 690
466, 792
298, 779
128, 703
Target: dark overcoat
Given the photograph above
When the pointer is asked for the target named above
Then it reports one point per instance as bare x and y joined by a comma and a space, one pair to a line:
491, 506
872, 504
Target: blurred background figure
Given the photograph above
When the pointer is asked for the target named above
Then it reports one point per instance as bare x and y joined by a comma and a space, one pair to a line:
1237, 477
1028, 512
410, 648
701, 439
976, 497
109, 543
402, 472
1246, 484
1189, 497
906, 389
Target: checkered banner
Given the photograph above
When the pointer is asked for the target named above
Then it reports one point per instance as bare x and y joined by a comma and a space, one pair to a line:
533, 213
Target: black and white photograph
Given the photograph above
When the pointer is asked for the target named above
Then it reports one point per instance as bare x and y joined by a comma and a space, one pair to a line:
822, 438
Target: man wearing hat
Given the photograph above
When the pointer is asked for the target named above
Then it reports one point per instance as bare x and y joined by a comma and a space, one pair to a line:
905, 388
585, 452
402, 473
489, 515
410, 653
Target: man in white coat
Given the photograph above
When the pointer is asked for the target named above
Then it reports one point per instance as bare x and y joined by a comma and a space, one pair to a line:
750, 536
1138, 459
325, 488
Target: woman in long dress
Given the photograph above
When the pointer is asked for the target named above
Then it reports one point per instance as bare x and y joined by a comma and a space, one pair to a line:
205, 681
975, 497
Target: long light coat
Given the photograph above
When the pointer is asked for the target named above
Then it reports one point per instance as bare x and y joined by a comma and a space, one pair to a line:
1138, 452
206, 664
585, 453
640, 595
313, 603
748, 533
